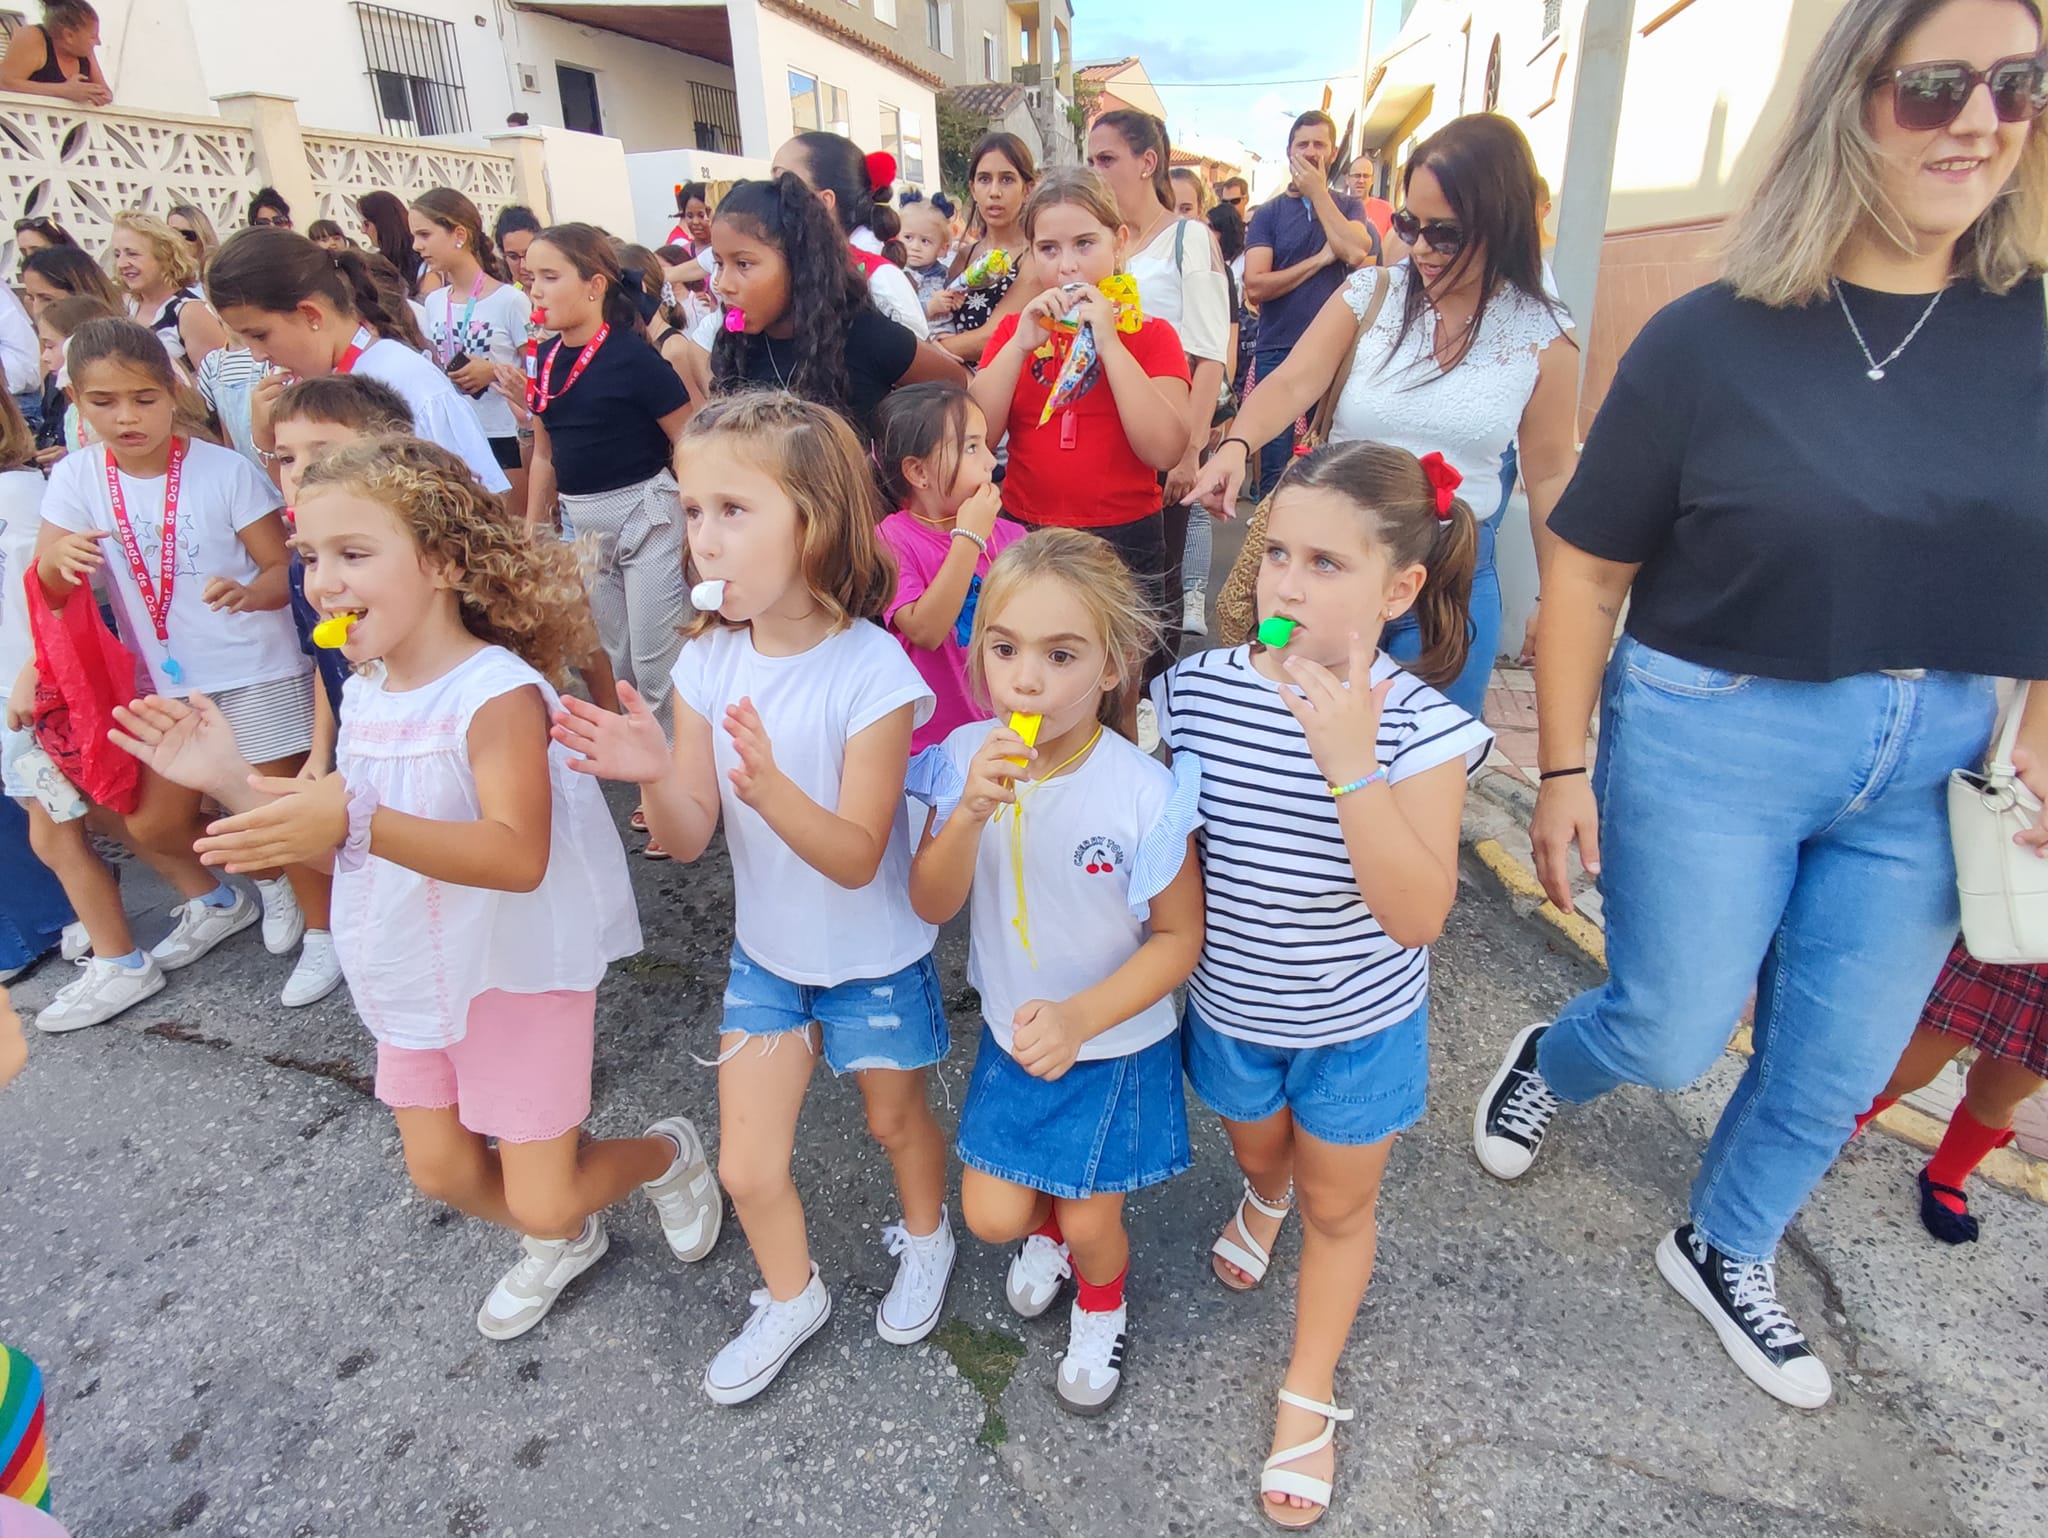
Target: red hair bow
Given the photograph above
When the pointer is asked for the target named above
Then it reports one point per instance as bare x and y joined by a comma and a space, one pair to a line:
1445, 480
881, 170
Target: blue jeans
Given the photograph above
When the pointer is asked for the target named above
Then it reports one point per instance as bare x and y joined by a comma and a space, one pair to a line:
1467, 691
1274, 457
1786, 837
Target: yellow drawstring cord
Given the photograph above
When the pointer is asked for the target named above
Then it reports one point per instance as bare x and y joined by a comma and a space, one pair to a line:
1022, 922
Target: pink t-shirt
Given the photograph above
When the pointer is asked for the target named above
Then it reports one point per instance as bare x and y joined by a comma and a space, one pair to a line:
920, 551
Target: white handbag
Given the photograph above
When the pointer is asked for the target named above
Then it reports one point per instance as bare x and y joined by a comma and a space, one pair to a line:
2003, 887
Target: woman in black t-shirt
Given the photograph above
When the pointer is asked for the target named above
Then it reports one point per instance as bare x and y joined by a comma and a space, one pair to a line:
781, 256
1818, 487
606, 413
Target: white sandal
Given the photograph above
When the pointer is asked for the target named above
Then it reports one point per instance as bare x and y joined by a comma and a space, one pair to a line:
1250, 1257
1278, 1480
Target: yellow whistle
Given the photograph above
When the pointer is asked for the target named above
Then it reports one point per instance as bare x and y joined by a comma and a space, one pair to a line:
332, 632
1025, 726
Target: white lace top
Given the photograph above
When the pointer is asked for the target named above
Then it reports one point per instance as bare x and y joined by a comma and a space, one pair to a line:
1469, 415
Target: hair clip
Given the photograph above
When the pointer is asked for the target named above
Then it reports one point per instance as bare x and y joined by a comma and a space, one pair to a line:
881, 167
1444, 479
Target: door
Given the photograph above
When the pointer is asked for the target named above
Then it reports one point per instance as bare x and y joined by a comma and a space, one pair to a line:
579, 99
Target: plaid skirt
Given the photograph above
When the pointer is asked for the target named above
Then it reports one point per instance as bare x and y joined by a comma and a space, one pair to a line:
2000, 1010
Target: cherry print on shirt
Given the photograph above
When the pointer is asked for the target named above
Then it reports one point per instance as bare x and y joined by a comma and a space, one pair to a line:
1099, 856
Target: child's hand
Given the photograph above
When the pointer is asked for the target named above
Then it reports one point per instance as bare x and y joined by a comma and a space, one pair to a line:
611, 745
756, 777
479, 375
305, 823
1048, 308
978, 513
1343, 725
944, 303
224, 593
991, 774
1086, 303
1046, 1039
21, 699
188, 742
263, 409
13, 1046
77, 556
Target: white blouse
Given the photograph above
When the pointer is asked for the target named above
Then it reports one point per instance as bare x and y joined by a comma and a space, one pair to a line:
1180, 281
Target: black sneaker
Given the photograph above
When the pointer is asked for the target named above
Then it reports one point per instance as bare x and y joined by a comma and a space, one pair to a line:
1740, 1300
1515, 1111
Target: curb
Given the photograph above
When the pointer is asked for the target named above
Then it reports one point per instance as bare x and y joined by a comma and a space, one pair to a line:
1492, 829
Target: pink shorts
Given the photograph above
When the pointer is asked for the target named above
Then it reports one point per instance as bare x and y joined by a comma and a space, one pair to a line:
521, 1074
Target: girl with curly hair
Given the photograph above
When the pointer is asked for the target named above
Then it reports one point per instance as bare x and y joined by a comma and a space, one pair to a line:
781, 256
479, 887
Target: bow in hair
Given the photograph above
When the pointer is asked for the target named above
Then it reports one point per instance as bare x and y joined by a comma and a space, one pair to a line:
1444, 480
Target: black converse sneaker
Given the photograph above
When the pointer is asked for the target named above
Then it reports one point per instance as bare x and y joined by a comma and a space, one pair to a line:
1740, 1300
1515, 1111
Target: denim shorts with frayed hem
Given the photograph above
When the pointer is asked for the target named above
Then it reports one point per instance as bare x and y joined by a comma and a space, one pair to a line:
898, 1021
1351, 1093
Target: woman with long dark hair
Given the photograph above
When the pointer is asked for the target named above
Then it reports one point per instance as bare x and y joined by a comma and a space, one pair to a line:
855, 190
384, 216
1463, 355
1000, 177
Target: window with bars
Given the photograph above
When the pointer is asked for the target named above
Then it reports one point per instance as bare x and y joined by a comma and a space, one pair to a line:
415, 71
717, 111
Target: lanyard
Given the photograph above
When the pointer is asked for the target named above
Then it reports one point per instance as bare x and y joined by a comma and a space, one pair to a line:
468, 309
363, 338
156, 596
543, 394
1022, 923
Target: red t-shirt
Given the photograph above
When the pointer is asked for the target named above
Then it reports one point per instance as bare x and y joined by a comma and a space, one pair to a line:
1079, 470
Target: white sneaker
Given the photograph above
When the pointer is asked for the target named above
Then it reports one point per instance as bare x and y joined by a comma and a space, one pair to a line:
924, 1264
317, 974
102, 990
1148, 727
524, 1294
200, 928
283, 923
76, 944
1194, 612
1093, 1369
1036, 1271
751, 1359
687, 1196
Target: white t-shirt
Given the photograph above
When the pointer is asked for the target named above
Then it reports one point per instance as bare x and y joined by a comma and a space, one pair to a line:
417, 951
21, 516
891, 288
792, 919
440, 412
495, 329
1099, 843
20, 357
1291, 955
1181, 281
220, 493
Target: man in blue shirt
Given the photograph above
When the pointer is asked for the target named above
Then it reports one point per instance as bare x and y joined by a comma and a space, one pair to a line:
1300, 248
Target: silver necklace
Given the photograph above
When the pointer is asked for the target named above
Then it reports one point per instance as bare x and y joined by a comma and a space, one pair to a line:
768, 346
1877, 369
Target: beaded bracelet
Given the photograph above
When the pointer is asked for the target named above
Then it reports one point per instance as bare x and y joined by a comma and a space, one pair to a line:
979, 543
1371, 779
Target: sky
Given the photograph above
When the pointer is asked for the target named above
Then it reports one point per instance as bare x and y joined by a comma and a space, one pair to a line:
1209, 41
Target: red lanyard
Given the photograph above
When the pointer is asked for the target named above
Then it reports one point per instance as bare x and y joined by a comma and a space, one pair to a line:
156, 596
542, 394
454, 335
363, 338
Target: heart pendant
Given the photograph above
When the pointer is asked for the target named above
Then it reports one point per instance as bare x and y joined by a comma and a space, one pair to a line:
1877, 373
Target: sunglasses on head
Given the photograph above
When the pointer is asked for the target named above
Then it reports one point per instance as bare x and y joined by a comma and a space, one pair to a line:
1930, 96
191, 237
1446, 237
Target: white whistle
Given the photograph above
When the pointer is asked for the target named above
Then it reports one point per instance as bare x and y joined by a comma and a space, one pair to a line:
708, 595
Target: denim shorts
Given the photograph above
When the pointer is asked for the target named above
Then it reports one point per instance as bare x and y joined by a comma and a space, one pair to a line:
897, 1021
1350, 1093
1114, 1124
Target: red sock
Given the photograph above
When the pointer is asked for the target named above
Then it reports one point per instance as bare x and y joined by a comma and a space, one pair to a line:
1962, 1149
1104, 1299
1050, 1228
1878, 1107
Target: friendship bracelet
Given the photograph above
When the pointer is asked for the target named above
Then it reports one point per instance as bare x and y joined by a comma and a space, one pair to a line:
1371, 779
1559, 774
979, 543
1241, 443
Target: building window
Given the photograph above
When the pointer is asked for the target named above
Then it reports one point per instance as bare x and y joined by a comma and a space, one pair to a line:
837, 117
815, 103
717, 111
938, 25
885, 12
902, 136
415, 72
579, 99
989, 62
1553, 17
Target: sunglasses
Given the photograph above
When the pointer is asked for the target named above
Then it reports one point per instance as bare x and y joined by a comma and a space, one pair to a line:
1930, 96
267, 222
43, 227
1446, 237
191, 237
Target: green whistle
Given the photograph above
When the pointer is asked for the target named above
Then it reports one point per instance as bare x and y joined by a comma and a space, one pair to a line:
1276, 631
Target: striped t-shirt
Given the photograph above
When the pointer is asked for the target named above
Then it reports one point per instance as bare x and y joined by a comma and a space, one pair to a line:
1292, 956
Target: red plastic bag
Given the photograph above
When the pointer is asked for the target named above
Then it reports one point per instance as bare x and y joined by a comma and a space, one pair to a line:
82, 673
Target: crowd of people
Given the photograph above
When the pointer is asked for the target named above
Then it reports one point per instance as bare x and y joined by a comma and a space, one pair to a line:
874, 534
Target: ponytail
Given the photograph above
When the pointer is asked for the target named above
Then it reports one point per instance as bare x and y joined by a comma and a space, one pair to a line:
1443, 609
377, 293
591, 252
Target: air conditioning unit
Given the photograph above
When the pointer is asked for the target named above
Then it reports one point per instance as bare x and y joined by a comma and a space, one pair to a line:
529, 79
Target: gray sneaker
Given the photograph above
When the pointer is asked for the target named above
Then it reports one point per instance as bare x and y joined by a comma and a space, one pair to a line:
102, 990
524, 1294
200, 927
687, 1197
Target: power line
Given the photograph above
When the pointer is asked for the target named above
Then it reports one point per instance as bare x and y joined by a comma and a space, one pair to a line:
1303, 80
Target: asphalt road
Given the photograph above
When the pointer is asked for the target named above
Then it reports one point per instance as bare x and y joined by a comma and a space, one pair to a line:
250, 1326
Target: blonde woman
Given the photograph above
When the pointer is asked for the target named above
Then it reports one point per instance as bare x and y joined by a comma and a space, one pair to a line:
1817, 486
192, 226
160, 272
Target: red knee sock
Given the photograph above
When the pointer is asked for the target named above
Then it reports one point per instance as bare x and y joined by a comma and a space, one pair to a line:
1878, 1107
1962, 1149
1050, 1228
1106, 1298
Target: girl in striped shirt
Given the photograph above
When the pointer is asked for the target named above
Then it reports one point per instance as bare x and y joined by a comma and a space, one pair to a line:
1332, 788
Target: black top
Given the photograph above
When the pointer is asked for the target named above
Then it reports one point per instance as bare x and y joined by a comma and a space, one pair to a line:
879, 352
1795, 518
606, 431
52, 72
